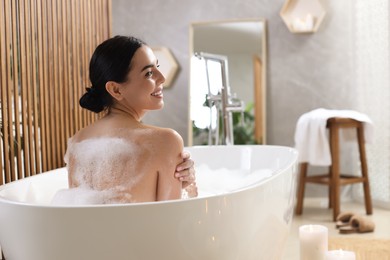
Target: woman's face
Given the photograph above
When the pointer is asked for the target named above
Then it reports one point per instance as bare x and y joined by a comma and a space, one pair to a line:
143, 89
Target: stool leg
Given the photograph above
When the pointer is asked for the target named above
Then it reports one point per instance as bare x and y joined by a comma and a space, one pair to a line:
363, 161
334, 172
301, 187
330, 191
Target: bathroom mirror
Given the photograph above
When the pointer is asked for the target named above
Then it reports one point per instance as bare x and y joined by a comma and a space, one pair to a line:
243, 42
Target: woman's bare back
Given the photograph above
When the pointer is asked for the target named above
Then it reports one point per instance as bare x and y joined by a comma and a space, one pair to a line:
131, 164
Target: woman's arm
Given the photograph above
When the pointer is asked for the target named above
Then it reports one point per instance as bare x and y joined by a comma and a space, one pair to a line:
169, 148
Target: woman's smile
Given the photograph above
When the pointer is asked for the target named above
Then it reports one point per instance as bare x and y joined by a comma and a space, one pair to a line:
158, 93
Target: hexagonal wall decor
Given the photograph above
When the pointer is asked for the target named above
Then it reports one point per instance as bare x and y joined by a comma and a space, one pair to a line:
168, 64
302, 16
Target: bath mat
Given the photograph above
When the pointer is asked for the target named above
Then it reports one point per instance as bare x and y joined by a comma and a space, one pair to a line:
365, 249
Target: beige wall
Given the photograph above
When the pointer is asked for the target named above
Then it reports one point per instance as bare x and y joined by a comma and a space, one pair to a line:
304, 71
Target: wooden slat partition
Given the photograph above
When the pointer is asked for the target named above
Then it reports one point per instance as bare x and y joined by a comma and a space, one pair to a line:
45, 47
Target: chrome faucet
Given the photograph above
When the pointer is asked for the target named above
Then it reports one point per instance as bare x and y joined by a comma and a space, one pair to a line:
227, 104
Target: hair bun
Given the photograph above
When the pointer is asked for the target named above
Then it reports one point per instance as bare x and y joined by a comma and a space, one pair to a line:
91, 100
91, 91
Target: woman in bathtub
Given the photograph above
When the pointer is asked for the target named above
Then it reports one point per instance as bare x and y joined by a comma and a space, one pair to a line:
119, 159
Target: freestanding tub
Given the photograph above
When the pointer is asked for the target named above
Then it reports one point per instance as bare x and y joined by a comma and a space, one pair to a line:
250, 219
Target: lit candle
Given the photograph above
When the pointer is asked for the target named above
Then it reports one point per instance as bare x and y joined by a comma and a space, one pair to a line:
340, 255
309, 22
303, 24
313, 242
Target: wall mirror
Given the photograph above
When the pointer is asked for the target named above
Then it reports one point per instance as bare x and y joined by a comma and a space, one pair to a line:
243, 43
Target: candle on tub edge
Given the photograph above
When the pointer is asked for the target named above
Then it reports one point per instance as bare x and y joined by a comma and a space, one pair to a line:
313, 241
340, 255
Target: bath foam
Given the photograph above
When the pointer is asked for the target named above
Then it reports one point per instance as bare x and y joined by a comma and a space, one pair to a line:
83, 196
101, 160
223, 180
106, 171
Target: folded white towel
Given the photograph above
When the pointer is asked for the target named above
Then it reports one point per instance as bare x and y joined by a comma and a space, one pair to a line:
311, 136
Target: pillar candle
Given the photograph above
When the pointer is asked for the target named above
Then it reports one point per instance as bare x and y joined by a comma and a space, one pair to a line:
313, 242
340, 255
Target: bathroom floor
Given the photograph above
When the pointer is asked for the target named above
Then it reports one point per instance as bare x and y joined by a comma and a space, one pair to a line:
316, 211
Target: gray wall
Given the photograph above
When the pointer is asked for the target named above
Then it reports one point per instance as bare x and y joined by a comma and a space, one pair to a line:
304, 71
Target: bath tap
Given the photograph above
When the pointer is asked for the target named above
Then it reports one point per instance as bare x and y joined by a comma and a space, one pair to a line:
229, 103
236, 105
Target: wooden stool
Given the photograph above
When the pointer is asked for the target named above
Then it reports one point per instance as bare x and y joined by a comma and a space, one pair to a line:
334, 179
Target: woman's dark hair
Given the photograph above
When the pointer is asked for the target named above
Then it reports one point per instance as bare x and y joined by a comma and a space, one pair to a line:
110, 62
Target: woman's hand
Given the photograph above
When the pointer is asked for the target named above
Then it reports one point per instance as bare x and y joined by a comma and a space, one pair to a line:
192, 190
185, 171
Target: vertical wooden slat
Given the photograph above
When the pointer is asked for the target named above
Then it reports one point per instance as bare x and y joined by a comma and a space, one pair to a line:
35, 98
100, 25
51, 89
24, 93
91, 39
70, 81
66, 76
83, 32
4, 22
10, 173
55, 111
109, 17
83, 35
10, 102
75, 61
47, 87
45, 48
29, 86
79, 60
17, 128
91, 45
42, 89
2, 82
76, 64
61, 85
56, 114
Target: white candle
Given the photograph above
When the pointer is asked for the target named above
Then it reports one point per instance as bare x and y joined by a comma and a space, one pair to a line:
303, 24
340, 255
313, 242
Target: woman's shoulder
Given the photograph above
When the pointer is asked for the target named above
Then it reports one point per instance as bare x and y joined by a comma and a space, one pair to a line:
161, 132
166, 138
159, 138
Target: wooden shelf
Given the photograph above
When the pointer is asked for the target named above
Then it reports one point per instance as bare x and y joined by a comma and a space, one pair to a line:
169, 66
302, 16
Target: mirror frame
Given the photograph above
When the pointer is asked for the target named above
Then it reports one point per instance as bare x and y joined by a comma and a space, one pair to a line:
260, 79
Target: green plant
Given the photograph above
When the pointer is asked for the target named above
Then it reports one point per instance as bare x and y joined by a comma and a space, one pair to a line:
243, 128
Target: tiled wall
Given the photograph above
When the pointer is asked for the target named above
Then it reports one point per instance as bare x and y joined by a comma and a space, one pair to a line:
372, 63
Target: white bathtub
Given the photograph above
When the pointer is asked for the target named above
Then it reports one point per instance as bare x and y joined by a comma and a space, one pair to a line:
251, 221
